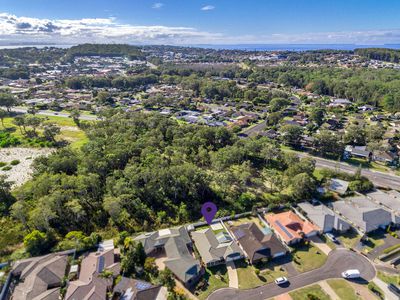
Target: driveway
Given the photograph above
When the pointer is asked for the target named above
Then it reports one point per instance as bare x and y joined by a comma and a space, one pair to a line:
389, 241
320, 244
338, 261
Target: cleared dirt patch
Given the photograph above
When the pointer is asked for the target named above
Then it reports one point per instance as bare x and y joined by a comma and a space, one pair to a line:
19, 173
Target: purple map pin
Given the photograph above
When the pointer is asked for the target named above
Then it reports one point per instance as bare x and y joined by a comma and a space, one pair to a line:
209, 210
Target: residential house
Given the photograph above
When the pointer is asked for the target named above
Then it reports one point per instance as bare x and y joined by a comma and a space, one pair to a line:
290, 227
258, 245
387, 157
91, 285
390, 200
176, 245
338, 186
365, 215
324, 218
39, 278
357, 151
216, 249
133, 289
343, 103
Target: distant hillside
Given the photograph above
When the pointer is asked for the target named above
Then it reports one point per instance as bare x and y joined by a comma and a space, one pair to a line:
389, 55
107, 50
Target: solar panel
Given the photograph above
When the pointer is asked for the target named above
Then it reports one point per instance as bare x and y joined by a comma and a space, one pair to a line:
140, 285
284, 229
101, 264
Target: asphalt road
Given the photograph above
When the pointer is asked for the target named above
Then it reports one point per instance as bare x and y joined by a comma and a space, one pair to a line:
338, 261
378, 178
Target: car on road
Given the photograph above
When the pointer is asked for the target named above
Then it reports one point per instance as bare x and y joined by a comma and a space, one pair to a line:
281, 280
350, 274
332, 237
394, 289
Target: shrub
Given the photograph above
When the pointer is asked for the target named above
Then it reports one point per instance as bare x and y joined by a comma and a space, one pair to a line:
2, 164
7, 140
14, 162
6, 168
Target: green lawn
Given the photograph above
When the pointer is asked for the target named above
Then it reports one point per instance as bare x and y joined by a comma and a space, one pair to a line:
374, 240
388, 278
271, 270
343, 289
308, 257
331, 244
349, 239
69, 131
315, 290
214, 280
247, 277
376, 290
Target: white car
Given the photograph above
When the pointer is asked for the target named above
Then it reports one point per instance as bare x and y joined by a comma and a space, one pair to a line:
351, 274
331, 237
281, 280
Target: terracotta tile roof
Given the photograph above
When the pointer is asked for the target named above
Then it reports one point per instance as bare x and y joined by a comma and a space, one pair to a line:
290, 226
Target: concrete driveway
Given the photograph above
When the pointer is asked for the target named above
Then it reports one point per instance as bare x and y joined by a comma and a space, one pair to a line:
338, 261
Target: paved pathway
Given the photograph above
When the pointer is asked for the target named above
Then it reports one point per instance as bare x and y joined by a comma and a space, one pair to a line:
232, 274
327, 289
321, 245
338, 261
383, 286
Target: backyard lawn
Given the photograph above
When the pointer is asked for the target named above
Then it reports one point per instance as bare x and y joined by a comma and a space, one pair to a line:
374, 240
247, 277
343, 289
217, 277
308, 257
304, 293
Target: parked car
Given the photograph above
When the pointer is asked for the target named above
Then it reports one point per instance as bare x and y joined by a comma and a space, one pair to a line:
394, 289
281, 280
332, 237
349, 274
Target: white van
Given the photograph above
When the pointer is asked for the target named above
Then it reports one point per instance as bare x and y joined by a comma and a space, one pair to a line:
351, 274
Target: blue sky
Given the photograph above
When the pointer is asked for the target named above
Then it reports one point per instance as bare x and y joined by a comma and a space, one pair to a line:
199, 22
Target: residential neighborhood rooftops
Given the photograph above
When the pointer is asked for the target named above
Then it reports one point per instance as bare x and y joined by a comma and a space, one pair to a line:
38, 276
255, 243
390, 200
133, 289
363, 213
213, 250
290, 226
324, 217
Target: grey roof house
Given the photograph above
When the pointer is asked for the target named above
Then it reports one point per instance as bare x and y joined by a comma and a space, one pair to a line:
390, 200
365, 215
133, 289
214, 249
177, 245
338, 186
324, 217
256, 244
39, 277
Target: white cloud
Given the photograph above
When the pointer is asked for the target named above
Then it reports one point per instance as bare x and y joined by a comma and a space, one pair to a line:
157, 5
208, 7
23, 29
16, 29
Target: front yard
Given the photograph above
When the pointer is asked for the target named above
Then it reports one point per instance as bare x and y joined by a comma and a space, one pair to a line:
343, 289
215, 278
308, 257
349, 239
305, 293
389, 278
247, 276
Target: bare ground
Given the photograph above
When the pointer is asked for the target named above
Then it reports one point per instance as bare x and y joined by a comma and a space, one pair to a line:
21, 172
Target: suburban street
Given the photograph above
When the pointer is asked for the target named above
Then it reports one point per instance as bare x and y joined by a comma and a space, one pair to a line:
338, 261
378, 178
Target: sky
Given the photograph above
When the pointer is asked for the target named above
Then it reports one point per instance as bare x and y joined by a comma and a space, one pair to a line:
191, 22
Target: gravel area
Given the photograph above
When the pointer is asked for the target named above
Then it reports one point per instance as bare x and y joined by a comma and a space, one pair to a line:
20, 173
